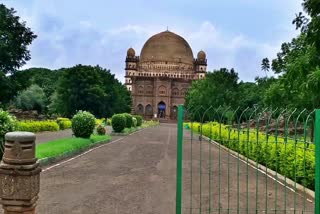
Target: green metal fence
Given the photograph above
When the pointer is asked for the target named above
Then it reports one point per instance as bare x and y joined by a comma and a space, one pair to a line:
248, 161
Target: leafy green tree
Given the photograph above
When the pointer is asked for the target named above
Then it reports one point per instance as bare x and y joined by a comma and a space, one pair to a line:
219, 88
33, 98
14, 40
297, 64
6, 92
43, 77
92, 89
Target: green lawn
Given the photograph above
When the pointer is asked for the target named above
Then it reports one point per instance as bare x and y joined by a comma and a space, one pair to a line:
59, 147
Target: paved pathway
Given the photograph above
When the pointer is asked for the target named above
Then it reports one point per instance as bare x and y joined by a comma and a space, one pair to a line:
136, 175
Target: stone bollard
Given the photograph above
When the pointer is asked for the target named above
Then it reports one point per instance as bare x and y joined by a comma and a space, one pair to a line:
19, 174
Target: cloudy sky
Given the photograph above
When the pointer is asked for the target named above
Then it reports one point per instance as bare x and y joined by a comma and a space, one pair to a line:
234, 33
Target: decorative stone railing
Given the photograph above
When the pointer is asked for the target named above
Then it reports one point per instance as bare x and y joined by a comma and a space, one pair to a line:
19, 174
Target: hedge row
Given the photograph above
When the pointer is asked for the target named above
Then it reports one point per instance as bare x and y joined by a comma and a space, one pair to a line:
295, 160
46, 125
64, 123
37, 126
121, 121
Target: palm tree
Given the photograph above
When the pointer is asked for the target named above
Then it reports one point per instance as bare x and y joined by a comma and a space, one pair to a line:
265, 65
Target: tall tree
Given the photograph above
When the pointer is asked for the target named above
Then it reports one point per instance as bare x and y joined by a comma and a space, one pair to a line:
218, 88
265, 65
14, 40
92, 89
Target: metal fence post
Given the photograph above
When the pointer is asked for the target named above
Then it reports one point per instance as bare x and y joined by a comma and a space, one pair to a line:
317, 179
179, 161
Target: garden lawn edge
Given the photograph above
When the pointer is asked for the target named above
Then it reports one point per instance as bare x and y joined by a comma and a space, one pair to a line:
51, 160
131, 131
290, 183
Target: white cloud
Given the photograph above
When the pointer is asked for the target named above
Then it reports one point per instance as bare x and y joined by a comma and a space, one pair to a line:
61, 43
86, 44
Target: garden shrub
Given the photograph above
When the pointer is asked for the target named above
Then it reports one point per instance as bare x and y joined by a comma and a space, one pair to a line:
7, 124
83, 124
118, 122
129, 122
101, 130
37, 126
99, 121
32, 98
64, 123
139, 119
109, 122
134, 121
280, 156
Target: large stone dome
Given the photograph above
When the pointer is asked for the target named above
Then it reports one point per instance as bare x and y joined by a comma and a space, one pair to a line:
167, 47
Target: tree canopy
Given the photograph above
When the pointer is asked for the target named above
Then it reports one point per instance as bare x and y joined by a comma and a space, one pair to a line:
93, 89
14, 40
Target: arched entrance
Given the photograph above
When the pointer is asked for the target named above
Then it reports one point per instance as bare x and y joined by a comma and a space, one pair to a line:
161, 110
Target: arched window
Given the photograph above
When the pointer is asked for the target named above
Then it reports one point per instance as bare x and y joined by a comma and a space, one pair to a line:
183, 92
140, 109
162, 91
149, 90
140, 90
149, 110
175, 92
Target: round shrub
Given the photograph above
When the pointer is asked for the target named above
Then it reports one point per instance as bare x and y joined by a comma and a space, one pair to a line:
134, 121
101, 130
129, 121
7, 124
83, 124
139, 120
118, 122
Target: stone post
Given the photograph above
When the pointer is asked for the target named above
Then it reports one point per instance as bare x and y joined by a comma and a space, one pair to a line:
19, 174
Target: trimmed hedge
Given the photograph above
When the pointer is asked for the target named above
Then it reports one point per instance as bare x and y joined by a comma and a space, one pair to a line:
129, 121
139, 119
118, 122
64, 123
278, 156
37, 126
83, 124
134, 122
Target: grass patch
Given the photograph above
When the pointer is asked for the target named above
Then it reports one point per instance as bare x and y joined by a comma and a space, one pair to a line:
129, 130
66, 145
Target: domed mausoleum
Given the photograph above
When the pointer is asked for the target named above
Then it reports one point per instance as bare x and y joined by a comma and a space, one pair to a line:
159, 78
